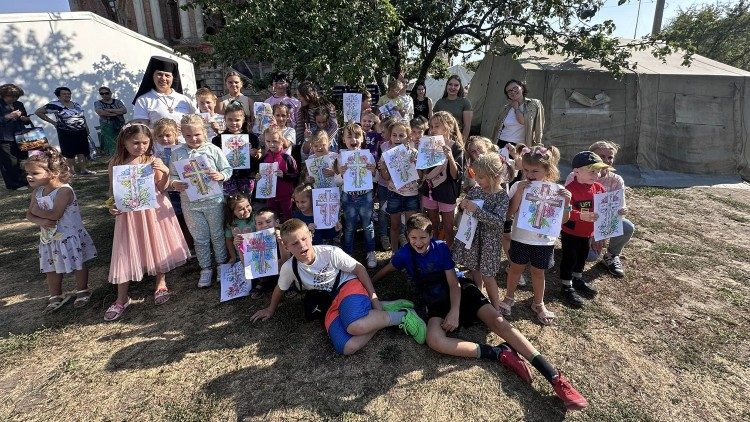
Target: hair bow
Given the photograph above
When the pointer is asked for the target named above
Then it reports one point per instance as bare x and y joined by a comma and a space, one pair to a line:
525, 150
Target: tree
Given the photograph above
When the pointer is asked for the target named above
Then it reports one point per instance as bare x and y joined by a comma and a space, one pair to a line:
718, 31
352, 41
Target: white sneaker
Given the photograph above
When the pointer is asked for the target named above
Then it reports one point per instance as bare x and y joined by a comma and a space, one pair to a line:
371, 261
206, 276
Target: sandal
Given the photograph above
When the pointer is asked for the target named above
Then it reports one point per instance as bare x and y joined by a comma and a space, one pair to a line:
115, 311
505, 306
162, 296
54, 303
544, 315
82, 298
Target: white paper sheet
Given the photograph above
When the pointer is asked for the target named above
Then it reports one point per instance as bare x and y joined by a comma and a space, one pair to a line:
326, 205
609, 223
356, 177
194, 171
400, 166
541, 209
237, 150
260, 256
133, 187
352, 107
467, 227
266, 185
233, 281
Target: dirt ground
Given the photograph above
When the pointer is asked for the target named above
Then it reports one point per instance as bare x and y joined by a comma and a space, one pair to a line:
668, 342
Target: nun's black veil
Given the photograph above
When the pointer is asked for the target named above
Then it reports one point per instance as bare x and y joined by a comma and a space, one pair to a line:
165, 65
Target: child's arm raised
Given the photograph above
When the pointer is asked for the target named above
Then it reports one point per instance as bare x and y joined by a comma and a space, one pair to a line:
63, 198
515, 201
450, 322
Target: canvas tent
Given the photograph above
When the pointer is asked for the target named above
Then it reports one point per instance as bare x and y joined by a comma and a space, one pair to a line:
80, 50
664, 116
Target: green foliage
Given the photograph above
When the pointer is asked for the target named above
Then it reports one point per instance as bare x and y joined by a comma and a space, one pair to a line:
718, 31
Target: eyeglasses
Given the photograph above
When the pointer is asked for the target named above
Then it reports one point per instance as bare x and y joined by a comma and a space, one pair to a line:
514, 89
105, 93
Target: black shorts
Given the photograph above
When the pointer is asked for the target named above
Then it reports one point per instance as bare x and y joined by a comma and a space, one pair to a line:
508, 226
73, 142
472, 300
539, 256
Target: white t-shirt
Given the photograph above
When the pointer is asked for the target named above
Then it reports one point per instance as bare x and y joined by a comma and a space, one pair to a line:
153, 106
321, 275
512, 130
525, 236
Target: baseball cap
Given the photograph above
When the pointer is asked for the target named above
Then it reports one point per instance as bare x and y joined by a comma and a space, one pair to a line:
589, 159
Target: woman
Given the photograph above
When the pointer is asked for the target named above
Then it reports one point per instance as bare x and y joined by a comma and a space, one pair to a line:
281, 94
13, 117
455, 103
160, 94
72, 130
522, 119
111, 113
233, 88
422, 103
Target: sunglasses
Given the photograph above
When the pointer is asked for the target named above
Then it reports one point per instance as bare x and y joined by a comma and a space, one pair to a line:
105, 93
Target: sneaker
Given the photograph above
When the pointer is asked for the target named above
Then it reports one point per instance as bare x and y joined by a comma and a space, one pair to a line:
572, 399
414, 326
385, 243
572, 297
206, 276
402, 240
586, 289
371, 261
397, 305
614, 265
510, 359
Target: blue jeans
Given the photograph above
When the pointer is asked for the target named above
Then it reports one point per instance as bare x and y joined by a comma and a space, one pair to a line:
358, 207
616, 244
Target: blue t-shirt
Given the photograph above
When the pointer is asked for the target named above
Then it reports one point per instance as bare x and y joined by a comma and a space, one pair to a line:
437, 259
321, 236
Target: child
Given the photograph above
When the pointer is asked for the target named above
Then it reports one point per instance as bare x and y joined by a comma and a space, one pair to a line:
476, 147
325, 119
287, 173
400, 201
539, 163
485, 255
148, 241
281, 118
242, 180
280, 86
450, 304
238, 219
358, 204
376, 133
419, 126
319, 145
64, 244
576, 232
206, 104
442, 184
204, 217
167, 134
399, 105
265, 218
354, 313
607, 151
370, 121
303, 200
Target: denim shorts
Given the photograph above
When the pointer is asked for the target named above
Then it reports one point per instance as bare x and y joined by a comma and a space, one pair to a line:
399, 203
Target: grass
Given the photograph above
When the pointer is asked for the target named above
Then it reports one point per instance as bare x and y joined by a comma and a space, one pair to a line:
665, 343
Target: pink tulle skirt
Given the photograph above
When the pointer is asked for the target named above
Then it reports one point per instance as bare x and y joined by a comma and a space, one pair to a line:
147, 242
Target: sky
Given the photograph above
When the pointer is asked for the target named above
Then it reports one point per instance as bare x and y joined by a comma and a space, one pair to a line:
16, 6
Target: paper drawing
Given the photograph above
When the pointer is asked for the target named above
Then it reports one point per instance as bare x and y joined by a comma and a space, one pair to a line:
237, 150
315, 166
541, 209
194, 171
266, 185
259, 254
133, 187
467, 227
233, 281
430, 153
352, 107
608, 205
326, 204
400, 166
263, 117
357, 176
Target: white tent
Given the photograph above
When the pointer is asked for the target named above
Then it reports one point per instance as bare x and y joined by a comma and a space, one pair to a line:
80, 50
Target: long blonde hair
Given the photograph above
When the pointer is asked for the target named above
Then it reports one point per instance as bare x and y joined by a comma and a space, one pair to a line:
447, 120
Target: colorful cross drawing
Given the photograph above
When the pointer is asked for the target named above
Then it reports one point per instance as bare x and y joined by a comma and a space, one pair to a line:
357, 176
233, 281
197, 176
315, 166
430, 152
267, 183
400, 166
609, 223
545, 203
259, 251
237, 150
327, 203
133, 187
352, 103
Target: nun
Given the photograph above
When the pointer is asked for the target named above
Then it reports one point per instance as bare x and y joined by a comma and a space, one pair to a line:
160, 94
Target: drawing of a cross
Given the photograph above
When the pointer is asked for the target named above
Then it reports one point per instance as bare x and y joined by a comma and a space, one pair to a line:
193, 172
434, 151
267, 173
545, 200
357, 163
236, 143
329, 207
260, 250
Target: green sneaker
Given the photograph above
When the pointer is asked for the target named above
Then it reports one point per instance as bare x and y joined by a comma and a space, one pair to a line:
397, 305
414, 326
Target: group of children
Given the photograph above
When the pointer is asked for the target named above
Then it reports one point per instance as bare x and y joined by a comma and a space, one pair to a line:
416, 222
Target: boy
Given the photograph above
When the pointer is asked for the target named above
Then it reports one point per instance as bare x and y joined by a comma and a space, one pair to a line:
266, 218
450, 304
207, 101
419, 126
579, 228
355, 313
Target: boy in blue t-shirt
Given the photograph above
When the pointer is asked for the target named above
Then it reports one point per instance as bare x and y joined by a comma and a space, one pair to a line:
450, 303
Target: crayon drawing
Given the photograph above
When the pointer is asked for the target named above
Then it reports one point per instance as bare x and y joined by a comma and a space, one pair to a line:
400, 166
263, 117
133, 187
541, 209
237, 150
259, 254
352, 107
233, 281
430, 152
326, 204
194, 171
266, 185
467, 227
315, 166
609, 223
357, 176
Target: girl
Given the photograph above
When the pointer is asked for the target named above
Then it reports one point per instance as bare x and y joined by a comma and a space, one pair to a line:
242, 180
484, 256
281, 92
476, 146
441, 184
287, 173
538, 163
358, 204
303, 200
64, 244
266, 218
422, 103
325, 120
238, 219
204, 217
281, 118
400, 201
372, 138
319, 145
383, 132
147, 241
233, 89
310, 100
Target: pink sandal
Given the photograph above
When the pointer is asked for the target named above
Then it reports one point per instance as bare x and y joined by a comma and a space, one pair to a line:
162, 296
506, 305
115, 311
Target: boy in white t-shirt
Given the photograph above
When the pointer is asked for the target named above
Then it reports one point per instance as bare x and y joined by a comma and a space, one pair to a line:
355, 313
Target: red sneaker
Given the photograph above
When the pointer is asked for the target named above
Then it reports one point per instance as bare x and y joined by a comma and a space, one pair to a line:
510, 359
572, 399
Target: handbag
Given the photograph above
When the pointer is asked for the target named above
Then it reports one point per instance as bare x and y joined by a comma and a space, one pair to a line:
31, 139
315, 303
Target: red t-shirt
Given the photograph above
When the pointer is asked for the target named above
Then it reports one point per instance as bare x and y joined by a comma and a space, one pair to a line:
582, 199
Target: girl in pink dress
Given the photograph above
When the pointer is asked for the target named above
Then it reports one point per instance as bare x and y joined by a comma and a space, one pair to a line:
148, 241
